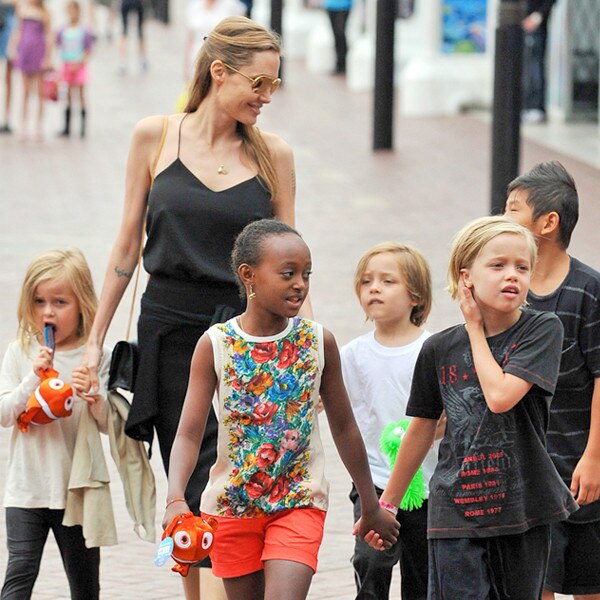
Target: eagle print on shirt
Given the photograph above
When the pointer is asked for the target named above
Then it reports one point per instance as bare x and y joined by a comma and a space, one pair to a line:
481, 440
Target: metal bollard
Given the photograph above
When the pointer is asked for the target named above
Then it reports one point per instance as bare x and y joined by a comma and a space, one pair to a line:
506, 119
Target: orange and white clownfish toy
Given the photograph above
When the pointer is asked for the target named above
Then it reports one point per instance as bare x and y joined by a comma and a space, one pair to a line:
52, 399
188, 539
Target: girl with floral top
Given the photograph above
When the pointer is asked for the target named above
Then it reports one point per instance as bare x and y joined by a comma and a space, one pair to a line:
267, 489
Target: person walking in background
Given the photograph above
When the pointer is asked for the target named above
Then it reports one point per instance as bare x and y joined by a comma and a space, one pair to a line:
393, 284
75, 43
535, 26
214, 154
137, 7
31, 46
201, 17
545, 201
267, 489
339, 11
495, 491
57, 291
7, 13
110, 7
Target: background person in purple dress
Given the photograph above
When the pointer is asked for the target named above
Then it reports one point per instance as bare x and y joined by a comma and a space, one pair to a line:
31, 46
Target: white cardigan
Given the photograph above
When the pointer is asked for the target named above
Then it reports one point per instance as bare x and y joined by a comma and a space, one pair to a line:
61, 465
88, 498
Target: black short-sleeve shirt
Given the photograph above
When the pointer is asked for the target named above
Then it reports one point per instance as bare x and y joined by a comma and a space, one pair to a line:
577, 303
494, 475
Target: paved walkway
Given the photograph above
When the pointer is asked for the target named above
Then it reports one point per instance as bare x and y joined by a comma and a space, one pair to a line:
69, 192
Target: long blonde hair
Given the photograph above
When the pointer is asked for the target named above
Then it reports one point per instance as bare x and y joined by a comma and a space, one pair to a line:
68, 264
473, 237
234, 41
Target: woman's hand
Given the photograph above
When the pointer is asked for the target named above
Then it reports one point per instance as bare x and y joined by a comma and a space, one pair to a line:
174, 509
90, 363
43, 360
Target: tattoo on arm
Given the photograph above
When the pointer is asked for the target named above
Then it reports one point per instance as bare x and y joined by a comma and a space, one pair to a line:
122, 273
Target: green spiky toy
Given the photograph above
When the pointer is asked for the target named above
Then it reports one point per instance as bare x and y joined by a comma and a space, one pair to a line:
390, 440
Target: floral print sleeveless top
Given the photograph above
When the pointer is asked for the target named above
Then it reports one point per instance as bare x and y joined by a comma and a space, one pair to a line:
269, 456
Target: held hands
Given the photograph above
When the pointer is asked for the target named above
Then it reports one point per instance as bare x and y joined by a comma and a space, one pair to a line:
585, 484
91, 360
82, 384
379, 529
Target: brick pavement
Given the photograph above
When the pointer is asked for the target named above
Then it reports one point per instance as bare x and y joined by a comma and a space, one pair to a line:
69, 192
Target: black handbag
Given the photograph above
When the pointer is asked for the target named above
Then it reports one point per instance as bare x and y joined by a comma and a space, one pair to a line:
124, 359
123, 366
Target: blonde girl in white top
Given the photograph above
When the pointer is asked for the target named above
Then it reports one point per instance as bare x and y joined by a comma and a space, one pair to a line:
57, 291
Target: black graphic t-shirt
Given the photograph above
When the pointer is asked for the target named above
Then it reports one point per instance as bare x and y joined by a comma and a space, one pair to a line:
494, 475
577, 304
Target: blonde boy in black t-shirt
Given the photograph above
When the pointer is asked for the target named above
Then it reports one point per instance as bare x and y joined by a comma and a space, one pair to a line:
545, 201
495, 491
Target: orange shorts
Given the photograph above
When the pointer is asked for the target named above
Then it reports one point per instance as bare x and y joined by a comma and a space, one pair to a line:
241, 546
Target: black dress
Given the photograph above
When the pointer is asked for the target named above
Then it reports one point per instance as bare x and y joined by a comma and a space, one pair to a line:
191, 230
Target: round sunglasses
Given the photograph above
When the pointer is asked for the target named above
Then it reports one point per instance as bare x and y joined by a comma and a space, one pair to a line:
260, 84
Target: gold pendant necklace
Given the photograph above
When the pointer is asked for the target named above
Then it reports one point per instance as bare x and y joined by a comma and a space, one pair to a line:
221, 168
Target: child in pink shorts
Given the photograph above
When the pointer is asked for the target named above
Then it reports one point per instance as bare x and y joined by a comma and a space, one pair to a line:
75, 43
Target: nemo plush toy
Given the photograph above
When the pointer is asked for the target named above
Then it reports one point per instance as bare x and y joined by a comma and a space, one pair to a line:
188, 539
52, 399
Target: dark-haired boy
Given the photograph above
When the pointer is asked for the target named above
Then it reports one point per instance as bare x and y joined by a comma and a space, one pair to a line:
545, 201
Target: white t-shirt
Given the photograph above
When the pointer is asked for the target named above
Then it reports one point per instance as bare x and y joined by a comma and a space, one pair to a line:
378, 380
40, 459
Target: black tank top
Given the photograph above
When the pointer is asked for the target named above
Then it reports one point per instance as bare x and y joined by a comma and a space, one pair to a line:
191, 228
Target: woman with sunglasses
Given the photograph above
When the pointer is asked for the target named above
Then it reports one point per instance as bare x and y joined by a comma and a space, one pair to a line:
194, 180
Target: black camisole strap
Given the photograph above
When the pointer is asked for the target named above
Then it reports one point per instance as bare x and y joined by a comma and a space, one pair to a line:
179, 134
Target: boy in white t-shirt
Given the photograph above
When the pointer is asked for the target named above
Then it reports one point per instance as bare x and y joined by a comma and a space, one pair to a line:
393, 284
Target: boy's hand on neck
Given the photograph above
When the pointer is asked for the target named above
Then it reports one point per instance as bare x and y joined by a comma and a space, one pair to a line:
469, 308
